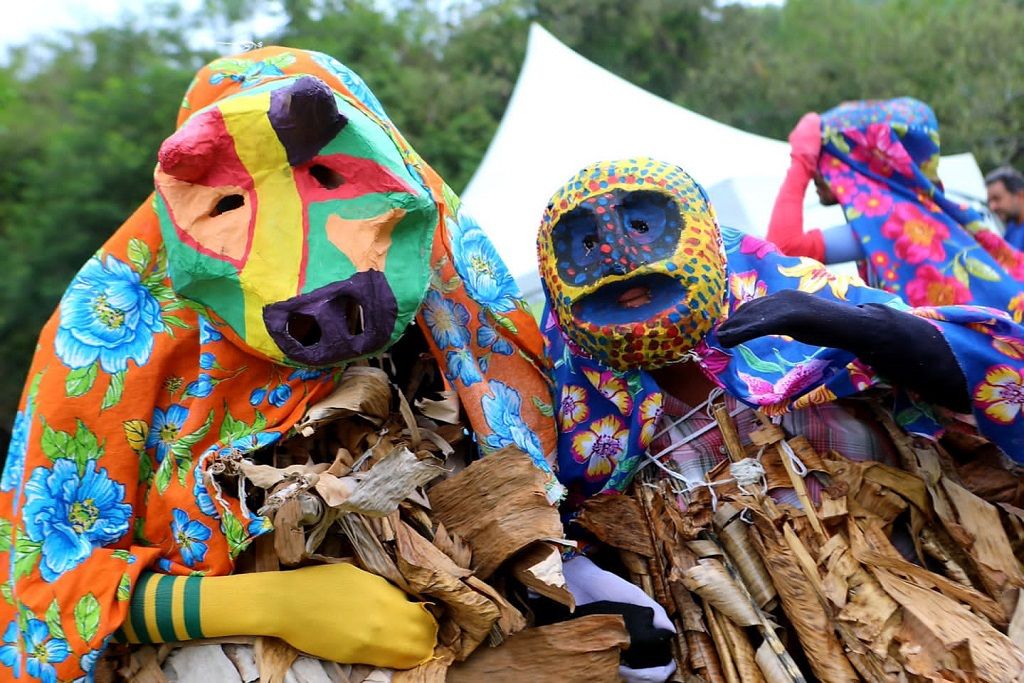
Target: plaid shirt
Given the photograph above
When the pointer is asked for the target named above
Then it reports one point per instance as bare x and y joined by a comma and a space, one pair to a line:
845, 426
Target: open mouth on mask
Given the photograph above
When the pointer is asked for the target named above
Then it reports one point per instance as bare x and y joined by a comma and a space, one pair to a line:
630, 301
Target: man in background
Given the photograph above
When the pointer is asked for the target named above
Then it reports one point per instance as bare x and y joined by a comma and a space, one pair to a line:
1006, 199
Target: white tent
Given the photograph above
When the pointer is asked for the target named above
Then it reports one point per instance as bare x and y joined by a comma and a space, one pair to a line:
566, 112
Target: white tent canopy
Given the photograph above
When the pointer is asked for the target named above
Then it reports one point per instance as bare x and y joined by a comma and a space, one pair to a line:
567, 112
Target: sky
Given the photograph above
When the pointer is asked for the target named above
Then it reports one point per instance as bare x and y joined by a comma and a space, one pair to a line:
24, 20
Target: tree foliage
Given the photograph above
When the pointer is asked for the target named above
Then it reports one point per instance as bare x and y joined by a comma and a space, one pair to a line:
81, 116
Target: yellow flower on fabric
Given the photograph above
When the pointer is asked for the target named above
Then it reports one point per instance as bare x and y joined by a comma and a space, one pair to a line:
815, 397
572, 408
814, 277
612, 387
1001, 394
600, 445
1016, 307
746, 287
1008, 346
650, 413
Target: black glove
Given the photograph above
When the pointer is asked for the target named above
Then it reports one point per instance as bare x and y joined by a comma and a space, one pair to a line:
905, 349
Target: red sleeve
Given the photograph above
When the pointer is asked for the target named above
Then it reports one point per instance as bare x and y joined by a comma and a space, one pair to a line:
786, 228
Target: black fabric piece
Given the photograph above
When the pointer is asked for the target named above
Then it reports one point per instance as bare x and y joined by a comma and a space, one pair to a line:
649, 646
908, 351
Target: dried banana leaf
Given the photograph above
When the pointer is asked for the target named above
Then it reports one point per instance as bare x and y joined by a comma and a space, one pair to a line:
813, 626
583, 649
274, 657
941, 635
363, 391
618, 521
712, 582
498, 505
733, 533
539, 567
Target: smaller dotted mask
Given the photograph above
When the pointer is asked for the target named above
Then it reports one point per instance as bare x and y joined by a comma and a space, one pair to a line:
632, 260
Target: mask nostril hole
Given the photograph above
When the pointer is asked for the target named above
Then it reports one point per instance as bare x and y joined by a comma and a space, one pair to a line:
304, 329
328, 178
353, 315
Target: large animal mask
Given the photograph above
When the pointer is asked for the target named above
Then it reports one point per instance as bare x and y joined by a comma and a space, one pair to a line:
291, 214
632, 259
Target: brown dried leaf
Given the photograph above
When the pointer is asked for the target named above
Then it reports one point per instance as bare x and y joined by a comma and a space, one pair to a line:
499, 505
342, 463
471, 613
813, 626
362, 391
274, 657
394, 478
770, 666
289, 536
943, 634
872, 548
540, 567
445, 410
453, 546
725, 658
418, 551
1015, 631
998, 567
734, 535
267, 477
511, 620
409, 419
584, 649
369, 550
335, 490
712, 582
618, 521
143, 666
742, 652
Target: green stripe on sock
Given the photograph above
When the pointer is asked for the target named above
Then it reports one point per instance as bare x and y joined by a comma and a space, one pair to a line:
119, 637
137, 613
164, 607
193, 624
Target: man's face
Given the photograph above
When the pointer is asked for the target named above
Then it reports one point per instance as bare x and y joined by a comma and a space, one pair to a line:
1009, 206
825, 195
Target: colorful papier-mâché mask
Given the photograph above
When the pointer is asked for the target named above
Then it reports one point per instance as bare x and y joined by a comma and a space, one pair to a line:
291, 215
632, 259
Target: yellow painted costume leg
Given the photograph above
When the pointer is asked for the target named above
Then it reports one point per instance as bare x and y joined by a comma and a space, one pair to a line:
335, 612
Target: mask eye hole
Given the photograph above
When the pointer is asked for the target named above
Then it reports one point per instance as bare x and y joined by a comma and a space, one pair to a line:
590, 243
639, 226
328, 178
227, 203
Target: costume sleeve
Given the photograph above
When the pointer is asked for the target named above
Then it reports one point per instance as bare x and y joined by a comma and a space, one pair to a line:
989, 347
841, 244
786, 228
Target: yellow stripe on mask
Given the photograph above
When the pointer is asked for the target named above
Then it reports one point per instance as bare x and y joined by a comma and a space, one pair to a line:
271, 272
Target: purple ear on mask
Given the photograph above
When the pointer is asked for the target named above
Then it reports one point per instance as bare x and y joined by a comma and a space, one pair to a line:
305, 117
337, 322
